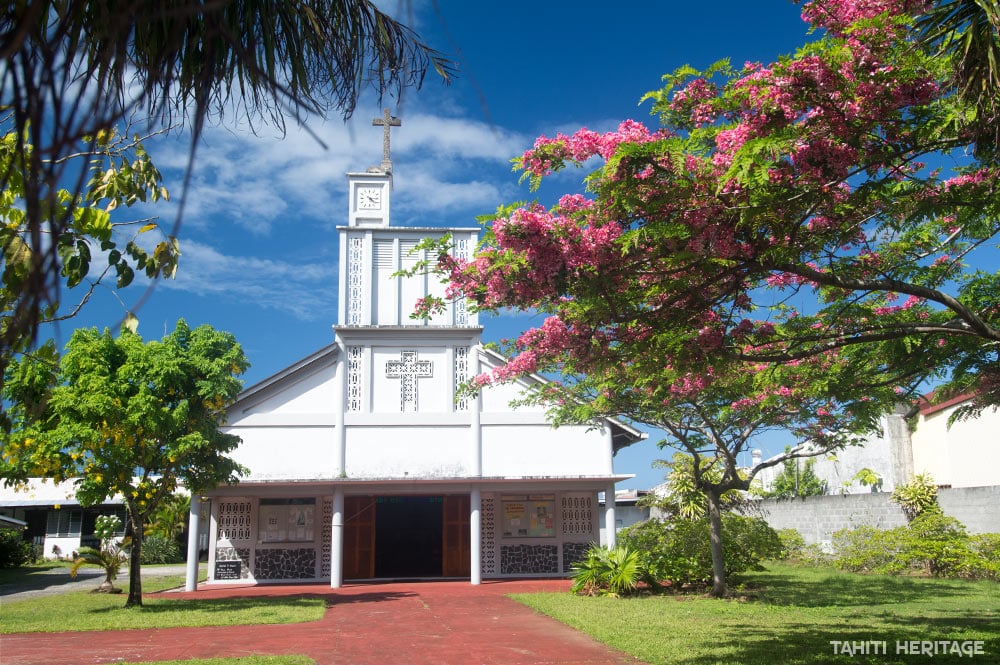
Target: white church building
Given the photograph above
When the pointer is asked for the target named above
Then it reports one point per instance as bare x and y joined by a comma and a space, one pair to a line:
364, 464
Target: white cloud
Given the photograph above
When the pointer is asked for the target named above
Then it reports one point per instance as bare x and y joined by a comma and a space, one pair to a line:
424, 197
304, 290
460, 139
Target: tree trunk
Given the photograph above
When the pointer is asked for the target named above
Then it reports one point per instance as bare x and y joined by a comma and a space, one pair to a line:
715, 537
134, 567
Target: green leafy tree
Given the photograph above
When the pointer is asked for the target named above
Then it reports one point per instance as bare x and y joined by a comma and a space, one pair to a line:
825, 201
75, 71
108, 556
798, 245
713, 420
128, 418
796, 480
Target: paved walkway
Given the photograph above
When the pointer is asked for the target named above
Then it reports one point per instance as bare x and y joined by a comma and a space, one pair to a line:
52, 581
420, 623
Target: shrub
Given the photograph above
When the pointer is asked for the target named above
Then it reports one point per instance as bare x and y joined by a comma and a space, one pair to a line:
815, 555
747, 541
158, 549
678, 551
792, 544
939, 543
616, 572
916, 496
933, 543
984, 563
795, 550
870, 550
14, 550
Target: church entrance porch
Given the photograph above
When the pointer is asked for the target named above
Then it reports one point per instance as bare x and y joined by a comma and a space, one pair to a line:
409, 536
379, 531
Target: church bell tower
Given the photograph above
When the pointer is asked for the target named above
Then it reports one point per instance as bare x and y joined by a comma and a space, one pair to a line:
396, 363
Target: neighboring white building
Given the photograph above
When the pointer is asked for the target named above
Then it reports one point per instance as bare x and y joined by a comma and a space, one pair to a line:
965, 454
365, 464
54, 519
885, 453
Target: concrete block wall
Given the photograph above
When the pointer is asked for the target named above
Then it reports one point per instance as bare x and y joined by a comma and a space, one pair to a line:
978, 508
818, 517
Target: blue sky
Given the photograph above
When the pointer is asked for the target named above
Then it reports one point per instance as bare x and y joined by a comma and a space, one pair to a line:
259, 229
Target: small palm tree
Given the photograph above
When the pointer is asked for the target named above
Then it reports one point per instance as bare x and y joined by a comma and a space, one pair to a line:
111, 557
613, 571
171, 517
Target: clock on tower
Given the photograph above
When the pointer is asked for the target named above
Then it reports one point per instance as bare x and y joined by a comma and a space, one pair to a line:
369, 198
369, 194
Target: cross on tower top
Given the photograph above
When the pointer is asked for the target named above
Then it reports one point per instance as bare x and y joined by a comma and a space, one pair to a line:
386, 121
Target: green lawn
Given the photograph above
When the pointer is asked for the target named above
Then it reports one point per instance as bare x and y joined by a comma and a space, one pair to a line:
82, 610
785, 615
790, 615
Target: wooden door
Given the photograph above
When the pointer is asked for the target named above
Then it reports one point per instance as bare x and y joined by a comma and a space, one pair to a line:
455, 537
359, 537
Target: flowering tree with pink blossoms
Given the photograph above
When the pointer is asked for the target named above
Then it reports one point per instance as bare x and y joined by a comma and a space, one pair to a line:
797, 245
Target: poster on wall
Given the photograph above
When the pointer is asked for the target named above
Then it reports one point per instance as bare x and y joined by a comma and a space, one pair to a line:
286, 520
529, 516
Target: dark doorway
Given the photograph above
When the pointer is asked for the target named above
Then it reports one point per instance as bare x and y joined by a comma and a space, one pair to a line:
408, 536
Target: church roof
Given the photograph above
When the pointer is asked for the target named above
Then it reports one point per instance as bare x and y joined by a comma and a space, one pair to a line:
323, 357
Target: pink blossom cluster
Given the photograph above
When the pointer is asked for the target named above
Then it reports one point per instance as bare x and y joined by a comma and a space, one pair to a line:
694, 100
538, 347
783, 280
838, 15
581, 146
976, 177
524, 363
690, 386
748, 328
832, 103
551, 247
909, 303
747, 403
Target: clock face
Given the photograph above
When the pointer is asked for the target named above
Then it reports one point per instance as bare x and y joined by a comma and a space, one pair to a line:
369, 198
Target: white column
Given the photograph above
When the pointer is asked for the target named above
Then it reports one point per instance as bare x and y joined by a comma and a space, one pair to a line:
610, 535
194, 523
475, 420
476, 470
339, 406
609, 441
337, 540
475, 537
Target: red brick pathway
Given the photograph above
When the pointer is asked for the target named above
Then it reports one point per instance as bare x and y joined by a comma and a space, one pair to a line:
429, 623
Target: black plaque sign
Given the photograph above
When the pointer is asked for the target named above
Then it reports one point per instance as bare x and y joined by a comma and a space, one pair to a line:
228, 570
